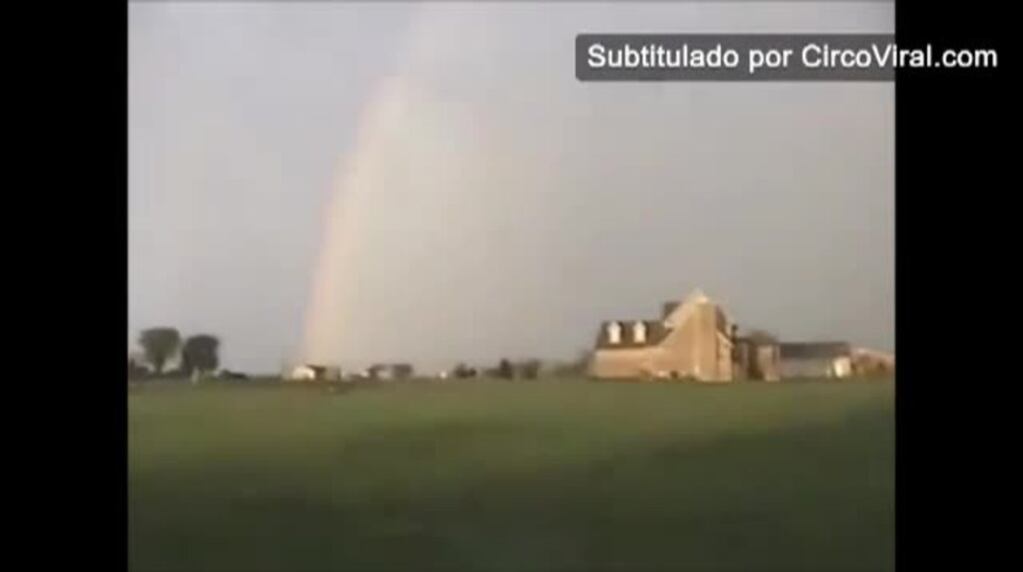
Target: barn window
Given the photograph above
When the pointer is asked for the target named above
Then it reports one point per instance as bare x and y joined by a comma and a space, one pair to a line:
639, 332
614, 333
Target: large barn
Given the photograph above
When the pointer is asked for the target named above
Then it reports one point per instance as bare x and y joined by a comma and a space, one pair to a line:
693, 339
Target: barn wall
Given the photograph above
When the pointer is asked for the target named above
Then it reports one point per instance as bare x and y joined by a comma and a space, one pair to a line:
696, 349
768, 365
806, 367
618, 363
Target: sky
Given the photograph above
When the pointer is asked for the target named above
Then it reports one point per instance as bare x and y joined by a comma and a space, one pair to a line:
428, 182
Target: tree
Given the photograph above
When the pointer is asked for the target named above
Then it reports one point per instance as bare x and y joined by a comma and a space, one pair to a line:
505, 369
575, 368
159, 344
402, 370
529, 369
463, 371
135, 369
199, 354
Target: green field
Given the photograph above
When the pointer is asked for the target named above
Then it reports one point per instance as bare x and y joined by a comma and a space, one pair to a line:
540, 475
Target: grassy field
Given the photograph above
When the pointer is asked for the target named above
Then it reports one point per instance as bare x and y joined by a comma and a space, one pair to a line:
567, 475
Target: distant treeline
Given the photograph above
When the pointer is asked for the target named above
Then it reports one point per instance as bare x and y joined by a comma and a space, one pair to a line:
504, 369
525, 369
198, 356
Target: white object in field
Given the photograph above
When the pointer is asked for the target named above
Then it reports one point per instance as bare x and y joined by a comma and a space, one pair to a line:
303, 372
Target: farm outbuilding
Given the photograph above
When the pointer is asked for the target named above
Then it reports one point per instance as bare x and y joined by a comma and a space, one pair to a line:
816, 359
757, 356
310, 372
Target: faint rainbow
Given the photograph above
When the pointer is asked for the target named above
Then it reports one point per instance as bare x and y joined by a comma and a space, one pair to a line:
338, 250
339, 245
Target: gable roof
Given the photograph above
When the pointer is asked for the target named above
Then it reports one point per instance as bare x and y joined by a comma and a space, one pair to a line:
680, 312
696, 297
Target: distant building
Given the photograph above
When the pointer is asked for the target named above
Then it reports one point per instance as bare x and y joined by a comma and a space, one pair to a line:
757, 356
695, 339
306, 373
869, 362
311, 372
816, 359
389, 371
691, 340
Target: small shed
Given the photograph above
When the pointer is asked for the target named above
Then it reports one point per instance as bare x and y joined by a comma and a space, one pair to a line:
311, 372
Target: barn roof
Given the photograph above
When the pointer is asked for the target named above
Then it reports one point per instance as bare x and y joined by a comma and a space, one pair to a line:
759, 337
809, 350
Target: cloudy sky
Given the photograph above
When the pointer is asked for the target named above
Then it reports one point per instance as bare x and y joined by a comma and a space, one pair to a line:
429, 182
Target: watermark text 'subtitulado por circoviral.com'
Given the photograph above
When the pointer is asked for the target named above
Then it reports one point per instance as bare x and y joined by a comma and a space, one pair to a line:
710, 57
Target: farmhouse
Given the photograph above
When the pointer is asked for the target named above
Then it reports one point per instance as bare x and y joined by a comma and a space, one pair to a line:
696, 339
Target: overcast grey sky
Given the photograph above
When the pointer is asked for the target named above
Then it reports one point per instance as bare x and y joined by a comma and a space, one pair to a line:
429, 182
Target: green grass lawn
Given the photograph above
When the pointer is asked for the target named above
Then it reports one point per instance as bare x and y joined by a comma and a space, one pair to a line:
568, 475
